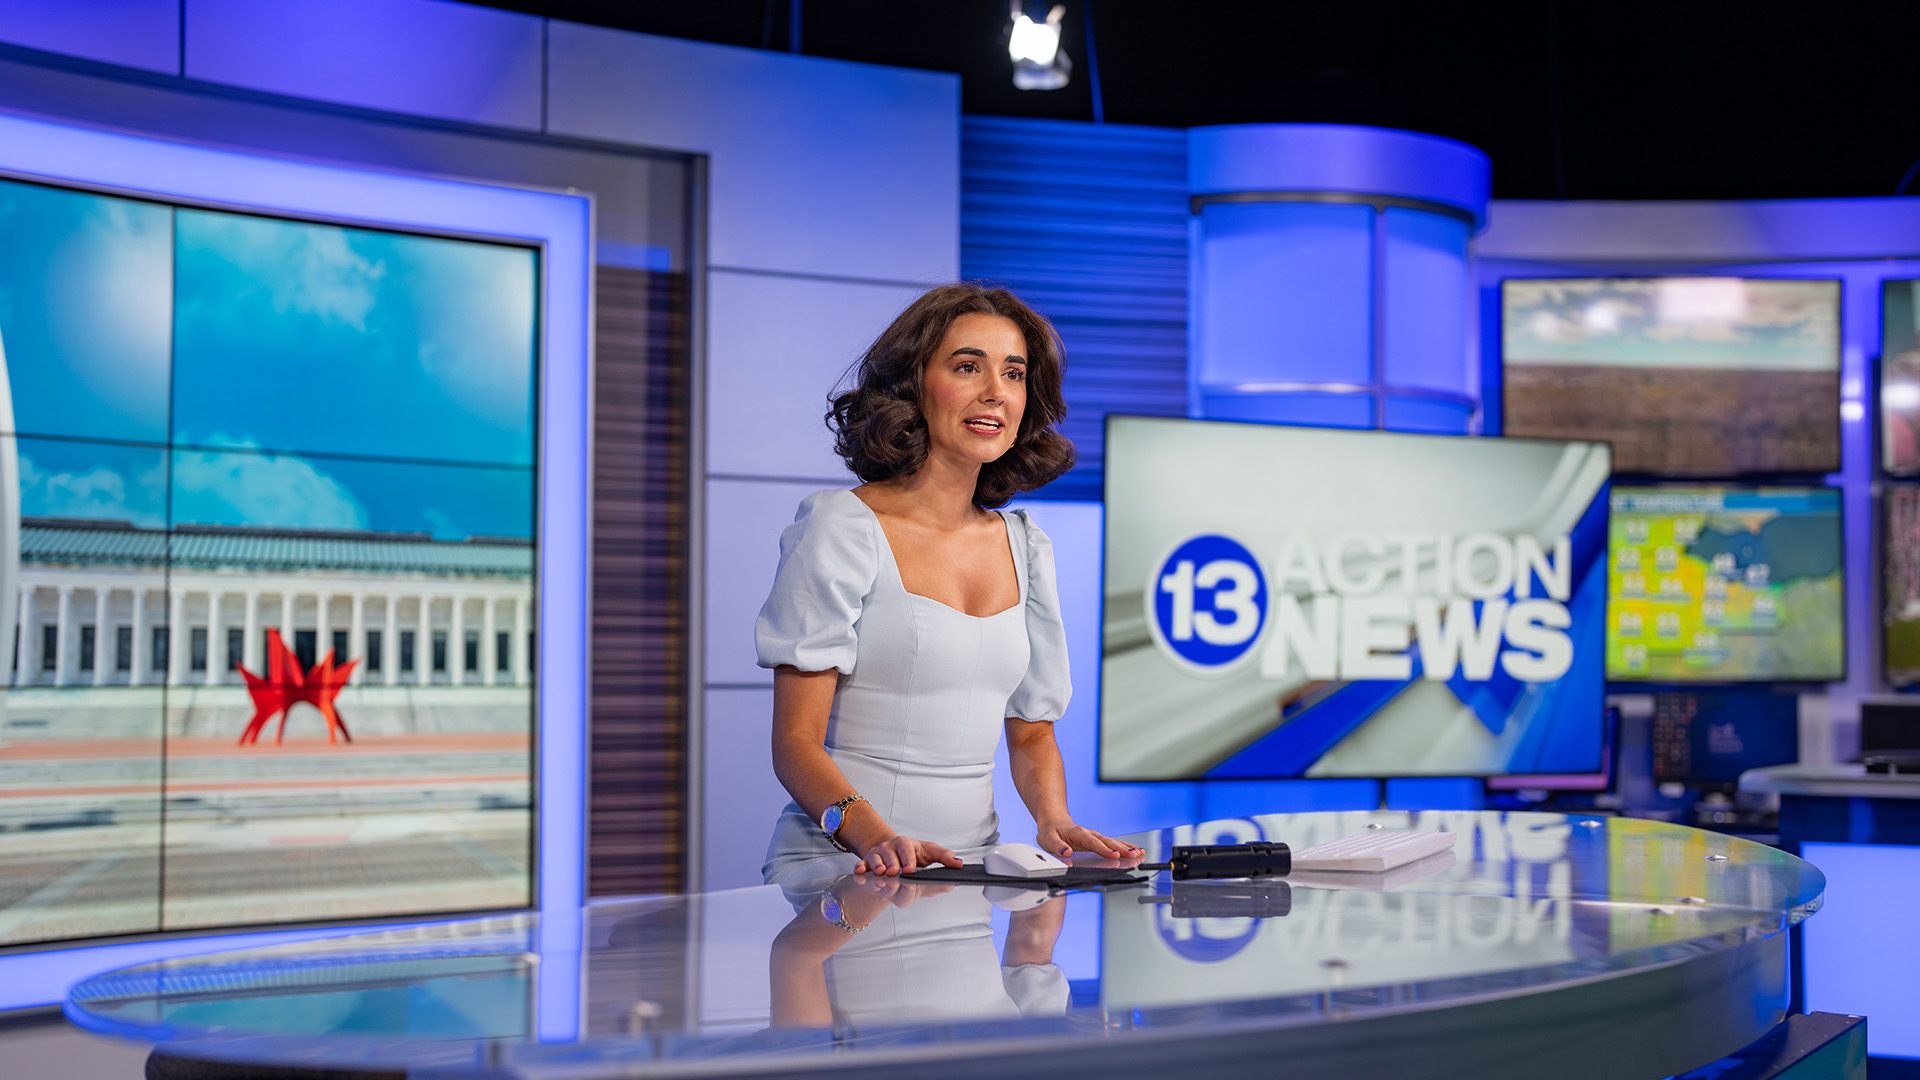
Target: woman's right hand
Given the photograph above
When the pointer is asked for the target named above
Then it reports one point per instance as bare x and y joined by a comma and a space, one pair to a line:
903, 855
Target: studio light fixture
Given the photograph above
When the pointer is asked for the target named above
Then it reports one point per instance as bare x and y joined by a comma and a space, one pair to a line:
1039, 63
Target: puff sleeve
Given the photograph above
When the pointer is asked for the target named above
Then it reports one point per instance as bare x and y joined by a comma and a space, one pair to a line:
1044, 693
828, 563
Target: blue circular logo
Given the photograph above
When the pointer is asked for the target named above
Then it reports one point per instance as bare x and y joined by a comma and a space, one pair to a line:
1207, 603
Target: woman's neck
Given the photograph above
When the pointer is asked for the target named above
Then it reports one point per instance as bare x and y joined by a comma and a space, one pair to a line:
938, 493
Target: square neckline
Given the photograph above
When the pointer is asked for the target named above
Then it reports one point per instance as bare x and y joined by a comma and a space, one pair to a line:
886, 545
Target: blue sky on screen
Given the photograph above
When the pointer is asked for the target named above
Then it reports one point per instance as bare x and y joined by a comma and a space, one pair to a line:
92, 481
96, 481
299, 346
294, 336
1755, 324
284, 491
84, 319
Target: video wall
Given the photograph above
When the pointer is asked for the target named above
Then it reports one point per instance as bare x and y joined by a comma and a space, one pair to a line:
267, 549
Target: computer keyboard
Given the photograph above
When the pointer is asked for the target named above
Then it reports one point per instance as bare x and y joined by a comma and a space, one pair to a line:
1373, 851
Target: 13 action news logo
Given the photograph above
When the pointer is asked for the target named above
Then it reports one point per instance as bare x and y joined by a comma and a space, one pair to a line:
1351, 608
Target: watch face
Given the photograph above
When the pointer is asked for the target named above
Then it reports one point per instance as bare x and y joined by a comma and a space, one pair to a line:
831, 909
830, 821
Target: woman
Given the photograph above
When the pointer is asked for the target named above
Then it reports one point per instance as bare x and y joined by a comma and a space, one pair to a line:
909, 623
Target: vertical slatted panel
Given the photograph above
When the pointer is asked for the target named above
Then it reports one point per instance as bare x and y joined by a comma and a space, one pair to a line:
1088, 223
637, 786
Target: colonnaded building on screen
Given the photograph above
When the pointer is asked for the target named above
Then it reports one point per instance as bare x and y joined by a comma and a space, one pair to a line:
106, 604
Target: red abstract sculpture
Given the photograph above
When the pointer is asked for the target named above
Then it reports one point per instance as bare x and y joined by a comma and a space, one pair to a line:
286, 686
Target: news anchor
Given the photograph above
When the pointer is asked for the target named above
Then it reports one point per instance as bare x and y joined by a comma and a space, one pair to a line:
910, 622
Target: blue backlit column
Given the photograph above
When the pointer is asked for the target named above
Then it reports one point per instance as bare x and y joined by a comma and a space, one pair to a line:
1329, 276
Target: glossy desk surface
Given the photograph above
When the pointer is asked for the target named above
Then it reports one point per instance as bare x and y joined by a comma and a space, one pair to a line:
1540, 937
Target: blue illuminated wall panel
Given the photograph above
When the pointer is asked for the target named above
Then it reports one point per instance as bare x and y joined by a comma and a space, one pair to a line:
133, 33
817, 166
1283, 295
1859, 948
428, 57
1428, 318
1087, 222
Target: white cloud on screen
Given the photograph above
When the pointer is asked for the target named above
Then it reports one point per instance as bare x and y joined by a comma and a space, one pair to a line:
305, 268
260, 489
98, 494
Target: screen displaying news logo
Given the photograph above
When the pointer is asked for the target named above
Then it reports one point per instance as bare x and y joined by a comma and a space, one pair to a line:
1376, 605
1210, 608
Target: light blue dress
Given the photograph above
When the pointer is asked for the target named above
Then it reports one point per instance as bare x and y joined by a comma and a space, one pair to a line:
926, 688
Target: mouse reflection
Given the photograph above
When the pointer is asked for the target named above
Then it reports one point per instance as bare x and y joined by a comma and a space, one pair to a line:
875, 951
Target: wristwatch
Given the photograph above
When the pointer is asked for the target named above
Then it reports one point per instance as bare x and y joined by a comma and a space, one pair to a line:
835, 816
831, 911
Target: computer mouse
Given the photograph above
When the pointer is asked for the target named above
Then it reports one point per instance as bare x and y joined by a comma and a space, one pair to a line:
1017, 897
1022, 860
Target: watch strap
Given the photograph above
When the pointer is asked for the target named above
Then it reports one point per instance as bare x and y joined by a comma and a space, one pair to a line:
833, 834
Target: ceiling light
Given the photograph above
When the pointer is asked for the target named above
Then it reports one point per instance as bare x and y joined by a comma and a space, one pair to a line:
1039, 63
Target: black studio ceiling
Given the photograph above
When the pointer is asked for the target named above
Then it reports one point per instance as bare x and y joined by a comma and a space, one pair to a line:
1582, 101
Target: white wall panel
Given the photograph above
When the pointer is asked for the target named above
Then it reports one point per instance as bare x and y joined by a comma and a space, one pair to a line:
132, 33
818, 166
744, 520
1074, 528
429, 57
741, 794
776, 346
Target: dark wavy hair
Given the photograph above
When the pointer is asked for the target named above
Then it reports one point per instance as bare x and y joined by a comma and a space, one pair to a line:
877, 427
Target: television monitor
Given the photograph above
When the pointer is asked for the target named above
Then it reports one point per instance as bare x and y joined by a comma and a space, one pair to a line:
1572, 782
1900, 377
268, 490
1304, 602
1725, 584
1685, 376
1900, 584
1889, 727
1707, 738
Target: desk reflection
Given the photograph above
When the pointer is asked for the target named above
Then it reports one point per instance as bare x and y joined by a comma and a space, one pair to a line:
868, 952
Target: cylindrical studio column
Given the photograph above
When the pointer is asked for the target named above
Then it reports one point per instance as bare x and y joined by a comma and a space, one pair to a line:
1329, 278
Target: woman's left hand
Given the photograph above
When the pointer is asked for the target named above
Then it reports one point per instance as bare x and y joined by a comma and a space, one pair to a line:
1065, 838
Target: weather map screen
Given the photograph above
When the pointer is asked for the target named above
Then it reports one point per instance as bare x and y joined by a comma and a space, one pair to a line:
267, 551
1685, 376
1720, 584
1302, 602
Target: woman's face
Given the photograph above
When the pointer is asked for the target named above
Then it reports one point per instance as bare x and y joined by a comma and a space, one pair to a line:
974, 389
